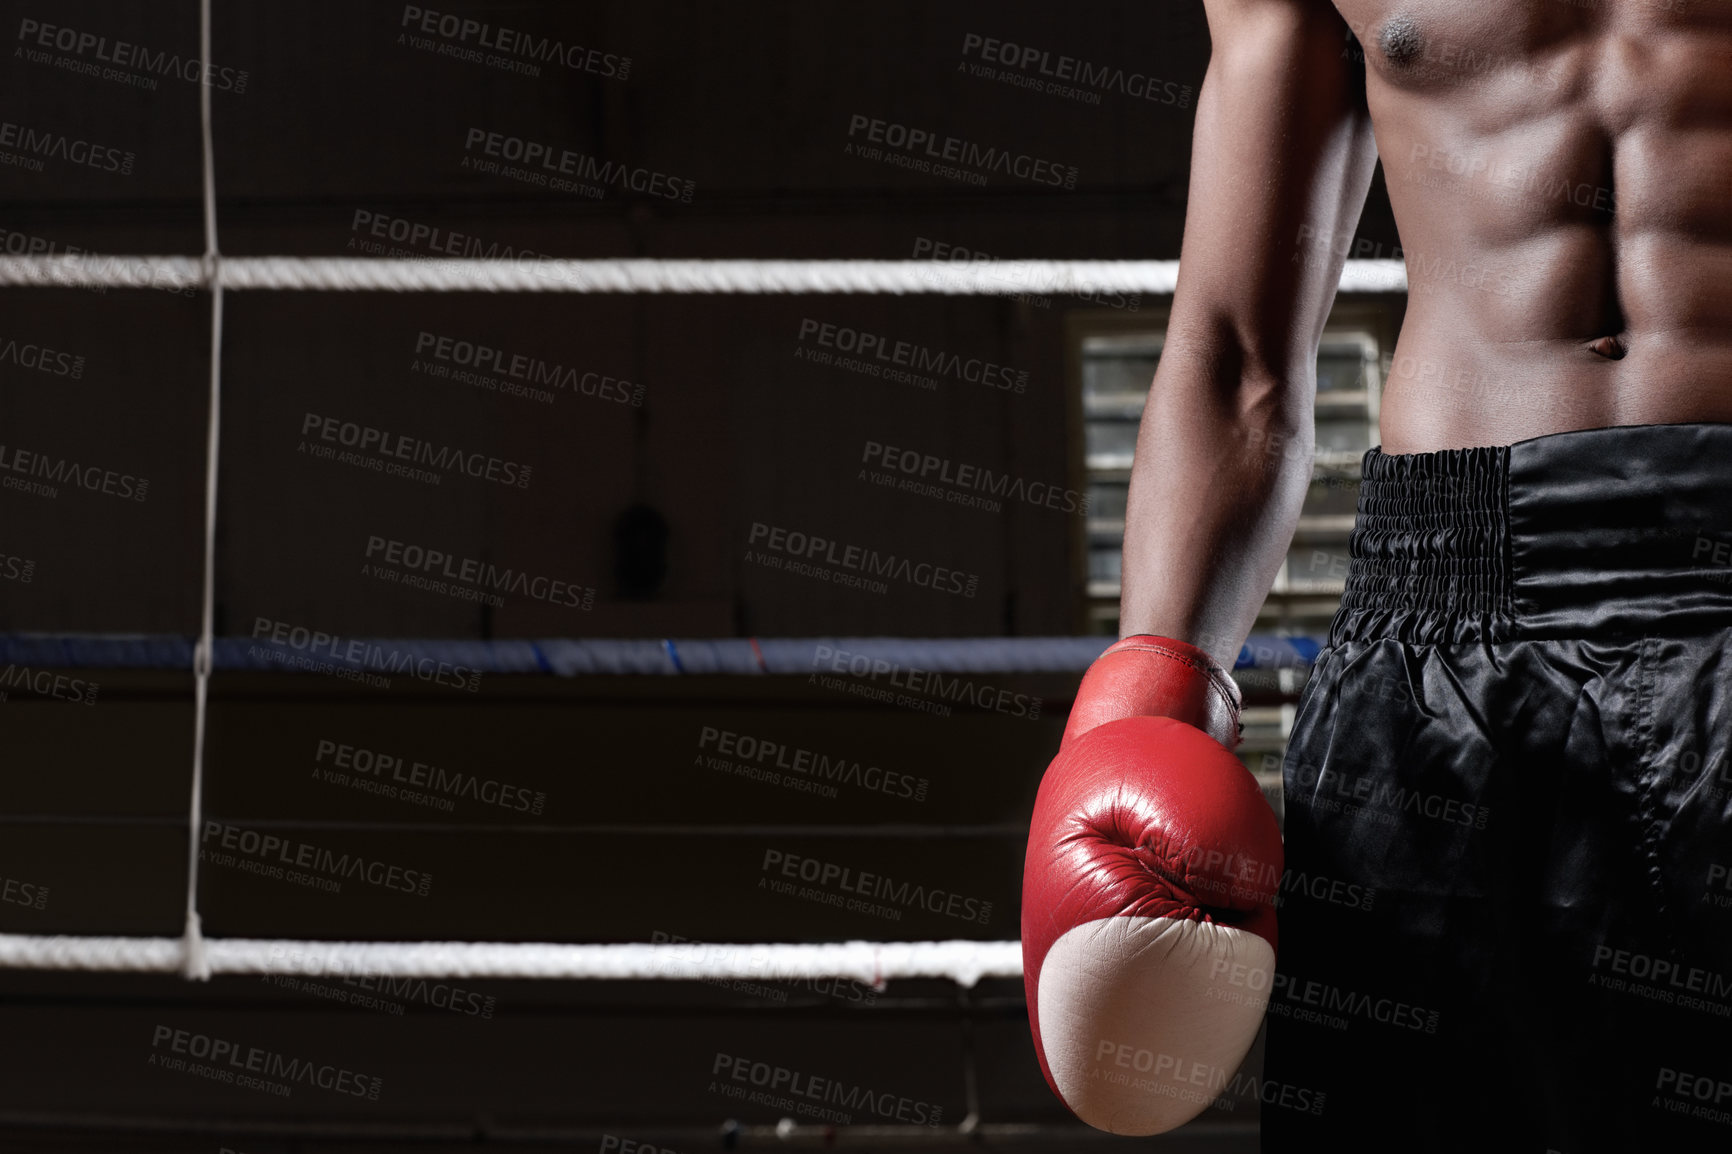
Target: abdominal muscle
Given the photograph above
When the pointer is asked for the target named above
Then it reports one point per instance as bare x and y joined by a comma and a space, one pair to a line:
1566, 221
1447, 391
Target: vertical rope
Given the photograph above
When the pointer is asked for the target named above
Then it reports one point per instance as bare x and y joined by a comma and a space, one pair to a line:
196, 960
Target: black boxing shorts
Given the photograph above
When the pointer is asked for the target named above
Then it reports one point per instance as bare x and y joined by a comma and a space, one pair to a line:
1506, 922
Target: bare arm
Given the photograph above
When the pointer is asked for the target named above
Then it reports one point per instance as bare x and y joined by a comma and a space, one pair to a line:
1282, 159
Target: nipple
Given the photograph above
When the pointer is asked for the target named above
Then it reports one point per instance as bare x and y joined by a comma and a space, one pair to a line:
1399, 39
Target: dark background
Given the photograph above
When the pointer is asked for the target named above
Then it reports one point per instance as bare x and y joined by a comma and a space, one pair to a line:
339, 123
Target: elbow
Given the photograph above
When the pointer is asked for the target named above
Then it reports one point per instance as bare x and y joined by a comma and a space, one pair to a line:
1271, 410
1249, 379
1279, 402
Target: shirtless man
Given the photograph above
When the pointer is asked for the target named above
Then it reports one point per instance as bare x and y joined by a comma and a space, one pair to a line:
1506, 912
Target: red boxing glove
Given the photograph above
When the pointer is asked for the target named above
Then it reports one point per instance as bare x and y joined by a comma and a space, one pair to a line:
1148, 894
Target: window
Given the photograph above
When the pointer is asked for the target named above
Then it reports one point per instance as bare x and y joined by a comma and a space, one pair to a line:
1116, 370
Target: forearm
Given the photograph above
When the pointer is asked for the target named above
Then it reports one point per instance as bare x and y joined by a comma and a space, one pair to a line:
1284, 151
1220, 476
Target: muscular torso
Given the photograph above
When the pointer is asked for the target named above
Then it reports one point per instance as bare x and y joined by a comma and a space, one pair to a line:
1561, 175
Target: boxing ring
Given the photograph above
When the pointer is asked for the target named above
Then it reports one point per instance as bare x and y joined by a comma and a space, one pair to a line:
197, 956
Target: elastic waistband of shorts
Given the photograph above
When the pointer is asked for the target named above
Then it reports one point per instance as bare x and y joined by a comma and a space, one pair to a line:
1600, 532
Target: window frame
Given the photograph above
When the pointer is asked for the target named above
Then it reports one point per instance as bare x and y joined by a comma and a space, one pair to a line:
1371, 317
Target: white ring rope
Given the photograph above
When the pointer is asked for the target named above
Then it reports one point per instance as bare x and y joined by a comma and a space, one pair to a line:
195, 960
873, 963
349, 274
